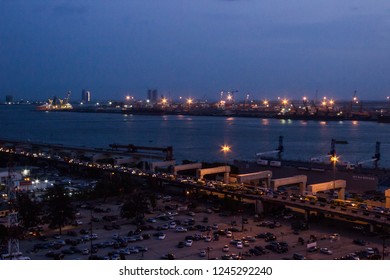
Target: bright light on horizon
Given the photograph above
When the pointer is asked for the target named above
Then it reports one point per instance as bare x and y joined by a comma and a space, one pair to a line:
225, 148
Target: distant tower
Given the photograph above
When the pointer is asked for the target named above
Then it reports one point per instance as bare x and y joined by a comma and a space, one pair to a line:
152, 95
86, 96
9, 99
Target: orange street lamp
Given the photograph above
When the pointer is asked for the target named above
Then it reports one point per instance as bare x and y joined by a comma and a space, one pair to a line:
334, 159
225, 149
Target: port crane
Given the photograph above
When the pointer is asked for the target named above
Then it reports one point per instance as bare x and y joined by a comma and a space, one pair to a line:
278, 151
333, 143
375, 158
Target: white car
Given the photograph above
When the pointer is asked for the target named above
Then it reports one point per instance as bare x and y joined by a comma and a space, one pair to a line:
78, 222
239, 245
225, 248
189, 243
334, 237
208, 238
229, 234
181, 229
161, 236
202, 253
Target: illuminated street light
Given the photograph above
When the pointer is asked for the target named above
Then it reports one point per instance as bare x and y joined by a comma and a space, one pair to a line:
189, 101
285, 101
334, 159
229, 97
265, 102
225, 149
164, 101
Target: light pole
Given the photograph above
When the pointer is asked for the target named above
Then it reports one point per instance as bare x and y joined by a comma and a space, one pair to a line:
225, 149
334, 160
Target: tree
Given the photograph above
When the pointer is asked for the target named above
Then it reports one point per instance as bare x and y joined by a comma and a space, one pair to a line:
106, 188
28, 210
60, 210
135, 206
3, 233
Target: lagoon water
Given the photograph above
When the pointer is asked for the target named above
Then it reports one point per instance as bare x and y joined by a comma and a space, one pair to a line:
197, 137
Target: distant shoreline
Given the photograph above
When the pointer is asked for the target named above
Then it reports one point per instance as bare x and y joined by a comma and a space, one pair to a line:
229, 113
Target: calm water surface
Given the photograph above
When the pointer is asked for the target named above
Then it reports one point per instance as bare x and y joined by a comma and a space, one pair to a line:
197, 138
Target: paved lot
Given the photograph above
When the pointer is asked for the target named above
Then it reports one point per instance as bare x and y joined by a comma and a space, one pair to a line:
156, 248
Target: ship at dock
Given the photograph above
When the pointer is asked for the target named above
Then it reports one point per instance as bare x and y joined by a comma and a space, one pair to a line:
56, 104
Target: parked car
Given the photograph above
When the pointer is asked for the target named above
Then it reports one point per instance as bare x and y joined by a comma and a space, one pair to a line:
297, 256
189, 243
359, 242
202, 253
181, 229
168, 256
326, 251
312, 249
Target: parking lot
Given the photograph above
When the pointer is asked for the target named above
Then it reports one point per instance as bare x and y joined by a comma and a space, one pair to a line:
244, 236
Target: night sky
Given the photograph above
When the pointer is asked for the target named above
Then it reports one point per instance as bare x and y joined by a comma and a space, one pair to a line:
197, 48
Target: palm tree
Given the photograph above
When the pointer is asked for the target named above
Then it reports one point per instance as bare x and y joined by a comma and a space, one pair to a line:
60, 210
135, 206
28, 210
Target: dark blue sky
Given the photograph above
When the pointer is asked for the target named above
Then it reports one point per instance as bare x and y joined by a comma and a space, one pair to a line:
195, 48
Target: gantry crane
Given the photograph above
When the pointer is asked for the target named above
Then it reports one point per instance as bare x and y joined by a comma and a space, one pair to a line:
375, 158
